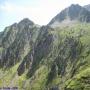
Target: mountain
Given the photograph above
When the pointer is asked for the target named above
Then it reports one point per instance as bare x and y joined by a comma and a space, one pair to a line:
71, 14
17, 40
34, 57
87, 7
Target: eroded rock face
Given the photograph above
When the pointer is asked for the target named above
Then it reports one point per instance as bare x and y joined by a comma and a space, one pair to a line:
17, 40
87, 7
9, 35
40, 50
69, 50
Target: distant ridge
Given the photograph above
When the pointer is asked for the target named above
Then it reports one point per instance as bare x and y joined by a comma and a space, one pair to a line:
74, 12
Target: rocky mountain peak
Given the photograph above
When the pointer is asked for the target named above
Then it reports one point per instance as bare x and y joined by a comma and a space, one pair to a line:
75, 5
74, 12
25, 22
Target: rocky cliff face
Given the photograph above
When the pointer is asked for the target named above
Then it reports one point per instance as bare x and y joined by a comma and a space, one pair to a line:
87, 7
17, 41
46, 58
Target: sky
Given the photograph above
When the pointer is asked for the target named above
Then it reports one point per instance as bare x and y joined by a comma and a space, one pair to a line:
39, 11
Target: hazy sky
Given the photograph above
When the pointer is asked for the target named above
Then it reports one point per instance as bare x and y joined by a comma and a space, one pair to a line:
39, 11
